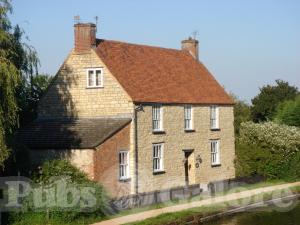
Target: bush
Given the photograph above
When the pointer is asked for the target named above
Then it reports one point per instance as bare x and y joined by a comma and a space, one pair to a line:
250, 160
288, 112
274, 137
241, 113
291, 170
56, 168
268, 149
55, 171
253, 160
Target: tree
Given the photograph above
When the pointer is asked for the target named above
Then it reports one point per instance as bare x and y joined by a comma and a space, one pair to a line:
288, 112
9, 80
241, 113
265, 103
18, 63
32, 93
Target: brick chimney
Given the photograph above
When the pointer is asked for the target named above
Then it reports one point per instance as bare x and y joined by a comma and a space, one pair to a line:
84, 37
191, 45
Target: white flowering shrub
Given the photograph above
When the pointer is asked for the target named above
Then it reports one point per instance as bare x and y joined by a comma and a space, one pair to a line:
272, 136
268, 149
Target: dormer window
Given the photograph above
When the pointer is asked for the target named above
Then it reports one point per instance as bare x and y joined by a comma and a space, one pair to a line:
95, 78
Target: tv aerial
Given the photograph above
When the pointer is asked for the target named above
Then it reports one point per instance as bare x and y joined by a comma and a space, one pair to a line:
76, 19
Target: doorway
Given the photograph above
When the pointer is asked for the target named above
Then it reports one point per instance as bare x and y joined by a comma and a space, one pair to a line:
188, 166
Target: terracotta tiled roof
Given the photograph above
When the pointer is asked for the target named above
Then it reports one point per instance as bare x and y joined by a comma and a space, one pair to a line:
153, 74
66, 134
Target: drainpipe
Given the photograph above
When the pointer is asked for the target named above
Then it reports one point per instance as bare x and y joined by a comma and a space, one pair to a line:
137, 108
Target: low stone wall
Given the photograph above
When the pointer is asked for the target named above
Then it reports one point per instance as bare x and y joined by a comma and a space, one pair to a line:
179, 193
155, 197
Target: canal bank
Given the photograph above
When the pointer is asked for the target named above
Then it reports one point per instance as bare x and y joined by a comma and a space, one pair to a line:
248, 215
260, 214
195, 210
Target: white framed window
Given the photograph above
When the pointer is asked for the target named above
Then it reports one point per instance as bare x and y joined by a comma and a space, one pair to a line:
188, 117
158, 157
95, 77
215, 152
123, 165
157, 118
214, 117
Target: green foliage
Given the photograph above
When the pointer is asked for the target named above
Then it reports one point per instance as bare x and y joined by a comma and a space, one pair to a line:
9, 81
48, 175
56, 168
18, 66
250, 160
274, 137
30, 96
268, 149
288, 112
4, 151
265, 103
38, 218
291, 170
241, 113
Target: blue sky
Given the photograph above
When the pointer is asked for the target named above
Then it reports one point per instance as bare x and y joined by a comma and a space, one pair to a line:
245, 44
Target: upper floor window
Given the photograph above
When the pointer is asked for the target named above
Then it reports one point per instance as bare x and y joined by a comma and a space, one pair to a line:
95, 77
215, 152
158, 157
188, 117
214, 117
123, 165
157, 118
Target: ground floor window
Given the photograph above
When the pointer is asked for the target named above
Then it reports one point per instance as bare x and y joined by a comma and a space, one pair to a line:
215, 152
158, 152
124, 165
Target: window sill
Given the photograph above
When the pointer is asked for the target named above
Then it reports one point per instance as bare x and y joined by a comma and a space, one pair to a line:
158, 132
189, 130
125, 179
215, 129
95, 87
216, 165
158, 172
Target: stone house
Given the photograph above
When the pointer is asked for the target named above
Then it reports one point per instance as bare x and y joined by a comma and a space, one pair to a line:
135, 118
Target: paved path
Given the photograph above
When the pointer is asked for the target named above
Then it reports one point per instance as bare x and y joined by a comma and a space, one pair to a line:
205, 202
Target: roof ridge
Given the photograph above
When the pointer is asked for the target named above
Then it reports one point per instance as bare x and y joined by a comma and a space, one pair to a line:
140, 45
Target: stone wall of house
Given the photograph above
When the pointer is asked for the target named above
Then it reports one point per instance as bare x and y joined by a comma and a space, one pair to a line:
106, 161
68, 95
81, 158
100, 164
176, 140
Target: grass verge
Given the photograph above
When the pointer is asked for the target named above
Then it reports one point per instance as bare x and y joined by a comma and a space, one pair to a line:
196, 214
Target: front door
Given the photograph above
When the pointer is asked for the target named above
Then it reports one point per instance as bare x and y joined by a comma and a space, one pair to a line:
187, 166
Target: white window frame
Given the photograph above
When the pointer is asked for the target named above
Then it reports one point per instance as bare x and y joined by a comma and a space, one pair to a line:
188, 120
157, 118
94, 78
124, 170
158, 159
215, 152
214, 117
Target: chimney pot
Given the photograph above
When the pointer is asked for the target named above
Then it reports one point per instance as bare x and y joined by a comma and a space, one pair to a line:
84, 37
191, 46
